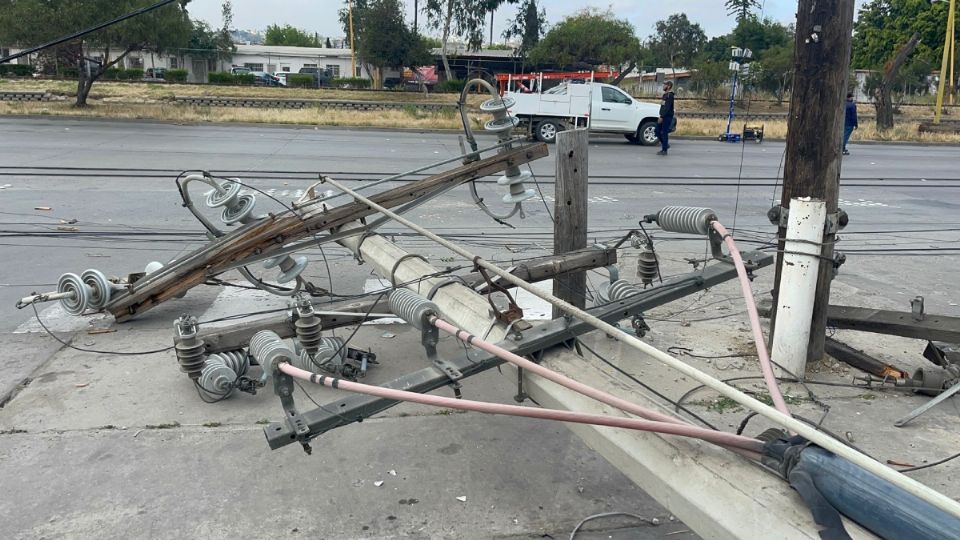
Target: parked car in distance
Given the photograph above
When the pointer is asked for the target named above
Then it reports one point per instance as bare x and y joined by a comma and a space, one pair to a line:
321, 77
154, 73
239, 70
282, 75
265, 79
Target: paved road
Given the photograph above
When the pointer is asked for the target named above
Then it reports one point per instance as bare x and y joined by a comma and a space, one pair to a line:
886, 187
113, 182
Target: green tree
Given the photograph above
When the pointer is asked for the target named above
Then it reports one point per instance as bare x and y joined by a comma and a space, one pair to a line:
386, 41
590, 39
677, 41
710, 77
742, 9
207, 44
775, 71
290, 36
884, 25
528, 26
463, 19
327, 44
32, 22
759, 35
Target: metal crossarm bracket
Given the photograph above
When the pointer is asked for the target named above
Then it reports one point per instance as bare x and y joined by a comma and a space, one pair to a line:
355, 408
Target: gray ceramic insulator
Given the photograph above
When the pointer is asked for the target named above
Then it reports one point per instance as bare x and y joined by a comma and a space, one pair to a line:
268, 349
411, 307
686, 219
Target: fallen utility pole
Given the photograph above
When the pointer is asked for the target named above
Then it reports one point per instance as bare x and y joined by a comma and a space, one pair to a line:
570, 212
268, 236
812, 163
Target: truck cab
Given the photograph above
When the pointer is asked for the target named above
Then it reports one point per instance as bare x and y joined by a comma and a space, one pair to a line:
602, 108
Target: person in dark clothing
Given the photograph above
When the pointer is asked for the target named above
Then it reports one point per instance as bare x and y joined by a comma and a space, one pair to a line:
665, 121
849, 122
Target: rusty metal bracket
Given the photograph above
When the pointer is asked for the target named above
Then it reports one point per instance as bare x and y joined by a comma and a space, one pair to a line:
513, 312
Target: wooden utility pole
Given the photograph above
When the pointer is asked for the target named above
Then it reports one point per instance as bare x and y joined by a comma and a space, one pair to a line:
946, 66
814, 133
570, 212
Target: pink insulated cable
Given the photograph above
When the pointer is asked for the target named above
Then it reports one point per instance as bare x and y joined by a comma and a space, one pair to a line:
753, 446
765, 366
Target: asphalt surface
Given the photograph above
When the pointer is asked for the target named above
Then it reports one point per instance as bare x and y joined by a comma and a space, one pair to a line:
109, 187
54, 164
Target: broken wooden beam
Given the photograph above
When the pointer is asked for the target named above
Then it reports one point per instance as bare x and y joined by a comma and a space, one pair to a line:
862, 361
270, 234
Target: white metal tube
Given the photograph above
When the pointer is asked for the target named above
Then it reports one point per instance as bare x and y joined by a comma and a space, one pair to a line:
829, 443
798, 284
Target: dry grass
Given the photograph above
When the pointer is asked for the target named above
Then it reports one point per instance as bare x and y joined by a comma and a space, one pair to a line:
902, 132
188, 114
151, 101
153, 92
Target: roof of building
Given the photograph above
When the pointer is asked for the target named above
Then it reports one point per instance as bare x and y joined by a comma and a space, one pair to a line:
462, 51
283, 50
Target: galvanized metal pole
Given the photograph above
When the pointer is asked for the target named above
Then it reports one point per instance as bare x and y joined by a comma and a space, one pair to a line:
570, 212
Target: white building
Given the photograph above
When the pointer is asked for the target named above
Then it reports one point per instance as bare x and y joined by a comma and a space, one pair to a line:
274, 58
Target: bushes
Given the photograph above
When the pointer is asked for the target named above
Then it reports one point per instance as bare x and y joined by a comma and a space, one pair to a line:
350, 82
16, 70
131, 74
220, 77
175, 75
245, 79
453, 85
301, 80
113, 74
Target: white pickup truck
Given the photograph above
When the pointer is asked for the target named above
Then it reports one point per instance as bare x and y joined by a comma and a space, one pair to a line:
600, 107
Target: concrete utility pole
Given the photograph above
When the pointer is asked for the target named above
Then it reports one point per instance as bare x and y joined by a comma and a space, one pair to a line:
570, 212
814, 131
353, 50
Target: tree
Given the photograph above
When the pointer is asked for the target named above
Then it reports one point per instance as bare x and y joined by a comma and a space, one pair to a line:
590, 39
528, 26
776, 71
710, 77
386, 41
456, 18
290, 36
327, 44
882, 97
883, 25
742, 9
677, 41
207, 44
32, 22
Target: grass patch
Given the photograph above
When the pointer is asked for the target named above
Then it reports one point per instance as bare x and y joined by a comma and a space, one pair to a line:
315, 116
904, 131
169, 425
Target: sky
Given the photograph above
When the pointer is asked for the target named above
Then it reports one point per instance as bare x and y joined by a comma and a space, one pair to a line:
321, 15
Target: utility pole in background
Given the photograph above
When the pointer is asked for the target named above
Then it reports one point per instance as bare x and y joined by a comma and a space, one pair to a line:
570, 212
946, 65
814, 130
353, 51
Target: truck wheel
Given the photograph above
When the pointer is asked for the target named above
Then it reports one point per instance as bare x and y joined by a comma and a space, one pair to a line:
547, 131
632, 137
648, 133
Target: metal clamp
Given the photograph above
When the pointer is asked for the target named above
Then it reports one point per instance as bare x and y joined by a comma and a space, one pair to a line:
513, 311
283, 387
780, 216
396, 265
429, 337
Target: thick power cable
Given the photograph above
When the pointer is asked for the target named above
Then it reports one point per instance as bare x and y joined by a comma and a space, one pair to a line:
766, 368
828, 443
669, 428
716, 437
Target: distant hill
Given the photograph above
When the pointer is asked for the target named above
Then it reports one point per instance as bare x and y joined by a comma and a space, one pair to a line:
254, 37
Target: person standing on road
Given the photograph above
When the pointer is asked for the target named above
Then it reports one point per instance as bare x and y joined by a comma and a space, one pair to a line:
665, 121
849, 122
